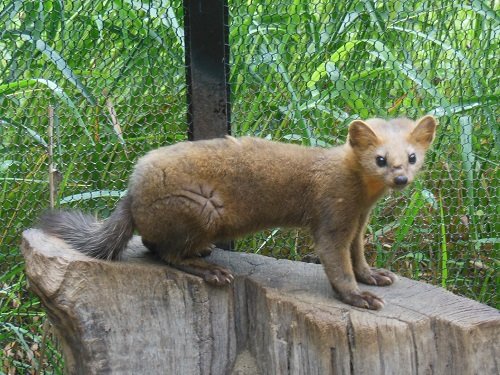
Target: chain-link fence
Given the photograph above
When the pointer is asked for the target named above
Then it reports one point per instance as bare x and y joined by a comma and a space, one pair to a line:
88, 86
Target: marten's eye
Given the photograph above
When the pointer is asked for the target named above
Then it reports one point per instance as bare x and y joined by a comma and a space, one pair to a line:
381, 161
412, 158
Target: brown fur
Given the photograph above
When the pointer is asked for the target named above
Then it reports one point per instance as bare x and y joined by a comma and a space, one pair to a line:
185, 197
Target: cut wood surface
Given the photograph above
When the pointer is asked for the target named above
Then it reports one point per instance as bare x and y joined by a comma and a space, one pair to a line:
139, 316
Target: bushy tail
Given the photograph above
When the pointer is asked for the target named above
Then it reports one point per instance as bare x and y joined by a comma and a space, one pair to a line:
104, 240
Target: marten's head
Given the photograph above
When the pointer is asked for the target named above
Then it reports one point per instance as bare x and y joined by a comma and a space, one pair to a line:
391, 152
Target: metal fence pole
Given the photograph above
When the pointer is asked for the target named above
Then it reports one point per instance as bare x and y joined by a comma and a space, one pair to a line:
206, 33
207, 55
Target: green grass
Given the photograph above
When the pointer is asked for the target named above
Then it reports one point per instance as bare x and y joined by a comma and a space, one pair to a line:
113, 73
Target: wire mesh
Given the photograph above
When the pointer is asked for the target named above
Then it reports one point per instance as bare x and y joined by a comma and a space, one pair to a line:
108, 79
301, 71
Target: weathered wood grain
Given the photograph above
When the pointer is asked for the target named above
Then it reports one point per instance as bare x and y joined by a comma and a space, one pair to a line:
140, 316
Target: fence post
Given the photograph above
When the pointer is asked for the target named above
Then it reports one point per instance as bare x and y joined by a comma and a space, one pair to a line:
206, 30
207, 68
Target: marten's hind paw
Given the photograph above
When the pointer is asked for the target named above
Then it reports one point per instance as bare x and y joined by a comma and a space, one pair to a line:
376, 276
365, 300
211, 273
218, 276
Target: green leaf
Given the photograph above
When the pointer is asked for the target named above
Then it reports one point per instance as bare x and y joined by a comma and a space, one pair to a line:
339, 55
429, 37
408, 217
464, 106
480, 7
429, 198
93, 195
33, 134
8, 14
9, 88
60, 63
383, 53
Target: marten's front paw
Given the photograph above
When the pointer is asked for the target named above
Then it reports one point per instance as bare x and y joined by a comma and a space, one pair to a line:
364, 300
376, 276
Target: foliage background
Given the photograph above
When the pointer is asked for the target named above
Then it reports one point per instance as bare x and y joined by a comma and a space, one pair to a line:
108, 77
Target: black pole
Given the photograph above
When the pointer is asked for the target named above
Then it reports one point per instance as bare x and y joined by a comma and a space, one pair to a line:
206, 33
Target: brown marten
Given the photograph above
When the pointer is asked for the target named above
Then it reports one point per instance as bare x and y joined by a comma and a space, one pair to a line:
183, 198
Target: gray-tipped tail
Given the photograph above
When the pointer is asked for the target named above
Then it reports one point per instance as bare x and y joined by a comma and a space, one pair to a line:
104, 240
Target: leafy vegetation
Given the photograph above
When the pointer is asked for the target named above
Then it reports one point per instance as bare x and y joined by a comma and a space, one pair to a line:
107, 76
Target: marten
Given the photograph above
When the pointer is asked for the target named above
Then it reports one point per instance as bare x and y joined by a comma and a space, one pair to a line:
185, 197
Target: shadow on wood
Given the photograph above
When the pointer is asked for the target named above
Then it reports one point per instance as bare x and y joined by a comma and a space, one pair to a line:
140, 316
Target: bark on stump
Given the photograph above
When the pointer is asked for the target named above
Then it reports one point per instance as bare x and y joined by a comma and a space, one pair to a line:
140, 316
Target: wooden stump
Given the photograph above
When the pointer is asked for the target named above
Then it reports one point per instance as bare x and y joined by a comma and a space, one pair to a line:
139, 316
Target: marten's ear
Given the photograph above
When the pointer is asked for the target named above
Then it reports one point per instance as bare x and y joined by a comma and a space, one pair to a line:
361, 135
424, 132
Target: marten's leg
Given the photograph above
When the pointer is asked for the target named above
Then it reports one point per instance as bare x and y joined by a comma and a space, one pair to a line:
364, 273
332, 243
180, 228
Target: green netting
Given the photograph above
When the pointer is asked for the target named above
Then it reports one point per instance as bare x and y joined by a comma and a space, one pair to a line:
108, 79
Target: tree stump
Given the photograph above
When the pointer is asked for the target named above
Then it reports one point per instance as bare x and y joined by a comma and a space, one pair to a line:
139, 316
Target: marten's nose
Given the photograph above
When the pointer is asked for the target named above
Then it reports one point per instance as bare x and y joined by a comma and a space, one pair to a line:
400, 180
